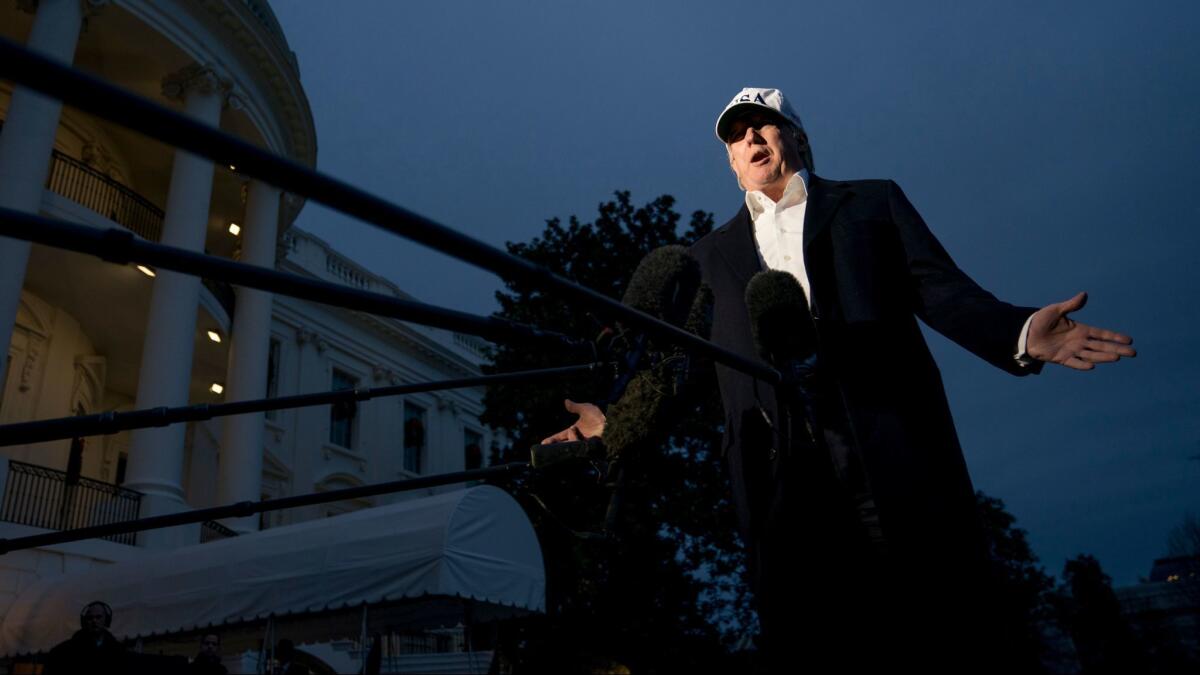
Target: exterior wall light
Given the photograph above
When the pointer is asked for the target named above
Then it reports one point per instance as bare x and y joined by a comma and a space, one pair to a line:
235, 229
216, 388
214, 336
146, 270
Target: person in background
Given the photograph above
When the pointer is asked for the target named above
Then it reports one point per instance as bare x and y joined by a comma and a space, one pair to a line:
208, 659
92, 649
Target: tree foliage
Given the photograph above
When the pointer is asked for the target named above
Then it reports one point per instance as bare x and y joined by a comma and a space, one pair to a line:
1091, 613
1184, 538
1023, 601
665, 596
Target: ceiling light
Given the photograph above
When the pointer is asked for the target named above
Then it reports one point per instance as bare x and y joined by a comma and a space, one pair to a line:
146, 270
216, 388
235, 229
214, 336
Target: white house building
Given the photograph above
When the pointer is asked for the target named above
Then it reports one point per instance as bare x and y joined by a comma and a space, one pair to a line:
84, 336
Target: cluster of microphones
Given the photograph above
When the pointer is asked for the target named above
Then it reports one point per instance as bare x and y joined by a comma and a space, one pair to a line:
653, 381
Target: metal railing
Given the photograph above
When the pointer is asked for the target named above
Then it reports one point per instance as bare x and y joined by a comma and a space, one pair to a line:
211, 530
42, 497
84, 185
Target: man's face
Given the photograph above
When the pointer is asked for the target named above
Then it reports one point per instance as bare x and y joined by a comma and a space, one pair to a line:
763, 153
210, 645
93, 619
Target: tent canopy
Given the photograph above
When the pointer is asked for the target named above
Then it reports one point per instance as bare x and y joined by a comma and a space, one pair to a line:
475, 543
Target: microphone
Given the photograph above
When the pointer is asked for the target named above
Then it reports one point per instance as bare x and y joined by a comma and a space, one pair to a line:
666, 285
785, 336
636, 420
780, 320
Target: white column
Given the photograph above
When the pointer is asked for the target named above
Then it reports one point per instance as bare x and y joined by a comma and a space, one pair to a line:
156, 454
239, 476
25, 146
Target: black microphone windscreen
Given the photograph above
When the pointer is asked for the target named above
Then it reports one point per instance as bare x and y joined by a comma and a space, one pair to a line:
700, 316
780, 320
636, 418
664, 284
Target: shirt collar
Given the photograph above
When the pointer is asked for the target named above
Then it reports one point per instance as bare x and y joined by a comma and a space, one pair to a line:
795, 193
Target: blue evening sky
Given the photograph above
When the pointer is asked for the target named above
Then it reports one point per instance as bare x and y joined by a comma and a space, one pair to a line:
1052, 147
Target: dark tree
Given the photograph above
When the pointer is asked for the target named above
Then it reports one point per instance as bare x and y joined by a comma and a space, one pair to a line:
1023, 600
1184, 539
664, 596
1091, 614
1183, 544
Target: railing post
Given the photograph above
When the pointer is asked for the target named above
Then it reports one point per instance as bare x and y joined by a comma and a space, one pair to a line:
3, 482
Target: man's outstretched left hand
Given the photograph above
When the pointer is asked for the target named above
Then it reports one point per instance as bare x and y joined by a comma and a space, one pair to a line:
1056, 338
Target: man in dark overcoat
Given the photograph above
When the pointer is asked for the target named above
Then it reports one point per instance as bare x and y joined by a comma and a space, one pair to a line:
865, 546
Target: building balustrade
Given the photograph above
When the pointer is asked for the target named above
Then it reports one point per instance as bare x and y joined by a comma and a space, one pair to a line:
472, 343
211, 530
41, 497
339, 268
84, 185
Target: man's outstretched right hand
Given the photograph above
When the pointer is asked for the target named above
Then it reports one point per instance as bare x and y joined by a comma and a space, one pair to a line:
588, 424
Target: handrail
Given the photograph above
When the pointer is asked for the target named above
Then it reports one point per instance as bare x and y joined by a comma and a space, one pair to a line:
39, 496
88, 187
211, 530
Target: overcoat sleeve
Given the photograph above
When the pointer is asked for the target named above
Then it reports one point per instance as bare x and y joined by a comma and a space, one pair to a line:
949, 301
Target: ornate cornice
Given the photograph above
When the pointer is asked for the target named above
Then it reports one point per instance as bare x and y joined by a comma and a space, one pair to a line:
191, 78
253, 26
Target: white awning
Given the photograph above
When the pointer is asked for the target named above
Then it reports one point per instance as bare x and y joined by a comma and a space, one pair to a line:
475, 543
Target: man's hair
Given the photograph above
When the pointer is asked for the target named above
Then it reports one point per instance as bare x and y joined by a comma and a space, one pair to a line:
210, 634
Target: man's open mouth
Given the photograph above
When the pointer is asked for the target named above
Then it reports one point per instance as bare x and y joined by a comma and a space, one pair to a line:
760, 157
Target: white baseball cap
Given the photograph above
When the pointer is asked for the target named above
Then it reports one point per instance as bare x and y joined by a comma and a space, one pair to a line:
761, 99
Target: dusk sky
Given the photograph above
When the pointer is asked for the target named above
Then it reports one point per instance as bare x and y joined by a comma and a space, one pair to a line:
1052, 147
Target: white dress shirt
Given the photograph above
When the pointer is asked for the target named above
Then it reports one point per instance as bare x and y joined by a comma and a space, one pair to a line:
779, 238
779, 228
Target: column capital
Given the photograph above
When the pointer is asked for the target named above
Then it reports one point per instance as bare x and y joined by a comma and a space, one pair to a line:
194, 77
91, 8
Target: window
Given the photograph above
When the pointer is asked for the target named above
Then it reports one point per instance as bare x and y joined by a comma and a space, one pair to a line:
341, 415
472, 449
273, 375
414, 436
